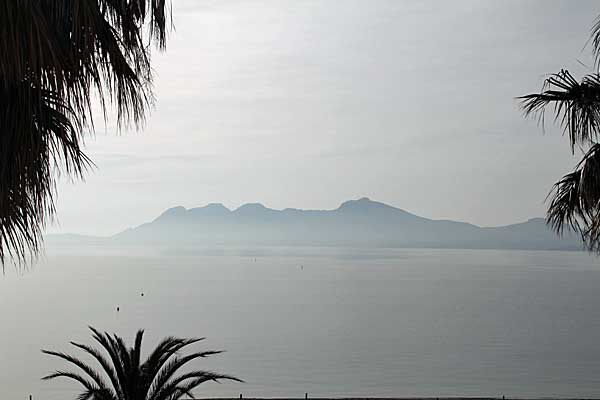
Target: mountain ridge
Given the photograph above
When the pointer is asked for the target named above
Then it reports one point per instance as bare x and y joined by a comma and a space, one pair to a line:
355, 223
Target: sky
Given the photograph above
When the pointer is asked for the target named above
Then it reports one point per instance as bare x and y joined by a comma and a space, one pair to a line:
307, 104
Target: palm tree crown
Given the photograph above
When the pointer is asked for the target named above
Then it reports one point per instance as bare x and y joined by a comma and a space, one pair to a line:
123, 376
57, 55
575, 198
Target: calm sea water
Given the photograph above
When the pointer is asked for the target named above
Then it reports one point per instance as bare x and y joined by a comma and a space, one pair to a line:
326, 322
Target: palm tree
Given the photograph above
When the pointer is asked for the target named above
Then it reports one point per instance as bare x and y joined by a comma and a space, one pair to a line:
130, 379
58, 55
575, 198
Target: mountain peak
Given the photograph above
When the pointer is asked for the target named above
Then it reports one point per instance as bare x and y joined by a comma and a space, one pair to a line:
250, 208
173, 211
212, 206
362, 203
215, 206
355, 201
212, 209
375, 209
251, 205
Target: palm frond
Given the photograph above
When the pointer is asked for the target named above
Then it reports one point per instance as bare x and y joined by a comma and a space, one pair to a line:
565, 205
576, 105
575, 200
155, 379
96, 378
167, 348
108, 369
163, 352
186, 383
87, 384
57, 56
595, 39
171, 368
106, 341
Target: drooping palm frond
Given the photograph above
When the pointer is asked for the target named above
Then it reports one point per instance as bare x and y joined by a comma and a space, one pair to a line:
56, 56
129, 379
595, 39
565, 205
575, 200
576, 105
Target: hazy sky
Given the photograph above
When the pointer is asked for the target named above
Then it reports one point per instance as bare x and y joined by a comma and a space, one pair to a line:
309, 103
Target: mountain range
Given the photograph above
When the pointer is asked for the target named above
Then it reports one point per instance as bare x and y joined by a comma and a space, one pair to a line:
355, 223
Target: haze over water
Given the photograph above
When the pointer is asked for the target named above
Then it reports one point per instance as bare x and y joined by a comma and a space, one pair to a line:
274, 123
329, 322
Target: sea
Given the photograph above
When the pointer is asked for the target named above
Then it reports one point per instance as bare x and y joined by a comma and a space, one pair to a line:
324, 322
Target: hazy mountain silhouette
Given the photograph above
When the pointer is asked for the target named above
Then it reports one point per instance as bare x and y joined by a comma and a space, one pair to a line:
361, 223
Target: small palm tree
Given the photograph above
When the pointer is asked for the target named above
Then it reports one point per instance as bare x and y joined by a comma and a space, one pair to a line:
575, 198
129, 378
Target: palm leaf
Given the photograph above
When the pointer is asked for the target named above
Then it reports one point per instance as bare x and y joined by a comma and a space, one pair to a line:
172, 367
57, 56
95, 376
575, 200
163, 352
576, 105
155, 379
106, 342
108, 369
186, 383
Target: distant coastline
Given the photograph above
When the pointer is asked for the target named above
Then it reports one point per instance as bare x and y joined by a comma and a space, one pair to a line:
361, 223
